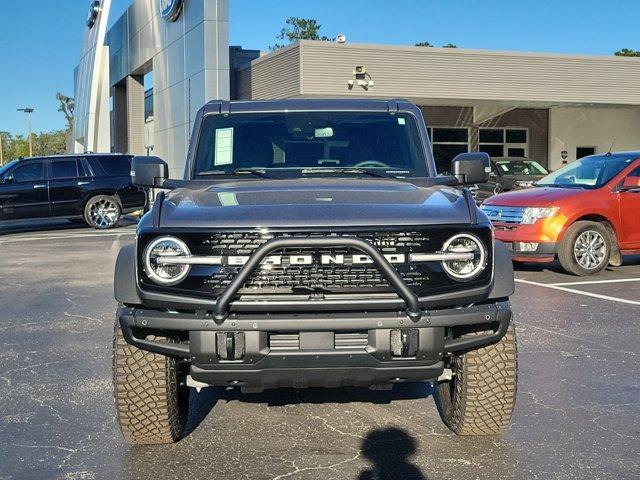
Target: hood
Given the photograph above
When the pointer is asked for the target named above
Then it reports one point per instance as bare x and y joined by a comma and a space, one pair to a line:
534, 197
334, 202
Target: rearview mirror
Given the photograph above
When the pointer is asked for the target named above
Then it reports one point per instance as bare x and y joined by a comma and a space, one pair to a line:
149, 171
470, 168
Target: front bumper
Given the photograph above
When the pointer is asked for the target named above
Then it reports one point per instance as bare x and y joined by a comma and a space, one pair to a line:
320, 350
521, 252
544, 232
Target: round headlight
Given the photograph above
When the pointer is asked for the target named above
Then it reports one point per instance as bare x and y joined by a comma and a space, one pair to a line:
162, 260
472, 253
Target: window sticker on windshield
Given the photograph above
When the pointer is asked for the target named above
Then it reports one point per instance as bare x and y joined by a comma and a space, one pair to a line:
278, 151
401, 121
504, 168
227, 199
224, 146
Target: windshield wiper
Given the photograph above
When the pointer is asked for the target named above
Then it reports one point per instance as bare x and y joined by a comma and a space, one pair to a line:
254, 171
344, 170
560, 185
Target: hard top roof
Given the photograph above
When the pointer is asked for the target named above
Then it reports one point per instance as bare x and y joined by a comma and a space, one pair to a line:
308, 104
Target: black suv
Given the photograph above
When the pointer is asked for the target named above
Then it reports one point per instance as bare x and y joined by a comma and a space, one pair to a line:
311, 243
95, 187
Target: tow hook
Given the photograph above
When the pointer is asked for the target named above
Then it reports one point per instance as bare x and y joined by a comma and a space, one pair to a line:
404, 343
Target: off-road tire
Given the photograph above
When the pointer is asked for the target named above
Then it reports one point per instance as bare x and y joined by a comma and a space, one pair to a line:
150, 398
566, 255
480, 398
96, 223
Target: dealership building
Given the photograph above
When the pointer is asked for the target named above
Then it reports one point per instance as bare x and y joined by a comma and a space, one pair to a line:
140, 82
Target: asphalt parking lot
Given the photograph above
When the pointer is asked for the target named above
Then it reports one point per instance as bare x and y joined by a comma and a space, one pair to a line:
577, 413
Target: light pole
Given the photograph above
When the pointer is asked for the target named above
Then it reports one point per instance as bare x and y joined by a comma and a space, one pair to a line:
1, 152
28, 111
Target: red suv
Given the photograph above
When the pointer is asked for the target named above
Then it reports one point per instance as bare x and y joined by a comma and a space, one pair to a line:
587, 214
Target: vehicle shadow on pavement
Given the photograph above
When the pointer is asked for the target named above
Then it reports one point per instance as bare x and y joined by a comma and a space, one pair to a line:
201, 404
389, 451
24, 226
54, 225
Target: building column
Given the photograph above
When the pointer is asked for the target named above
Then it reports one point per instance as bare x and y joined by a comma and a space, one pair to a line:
128, 116
135, 114
119, 125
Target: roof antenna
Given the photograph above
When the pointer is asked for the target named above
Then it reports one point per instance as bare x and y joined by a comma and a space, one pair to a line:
611, 147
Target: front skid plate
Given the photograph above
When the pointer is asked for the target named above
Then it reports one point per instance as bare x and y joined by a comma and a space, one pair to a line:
317, 377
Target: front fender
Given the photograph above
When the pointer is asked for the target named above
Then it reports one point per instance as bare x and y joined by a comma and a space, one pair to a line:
124, 283
503, 280
593, 215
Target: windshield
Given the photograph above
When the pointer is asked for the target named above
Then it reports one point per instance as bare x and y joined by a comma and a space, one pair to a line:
300, 143
520, 167
6, 167
587, 172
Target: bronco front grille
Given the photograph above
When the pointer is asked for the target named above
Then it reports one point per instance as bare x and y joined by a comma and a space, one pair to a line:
345, 277
246, 242
315, 277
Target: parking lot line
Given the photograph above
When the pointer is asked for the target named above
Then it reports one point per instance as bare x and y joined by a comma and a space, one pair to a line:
595, 282
578, 292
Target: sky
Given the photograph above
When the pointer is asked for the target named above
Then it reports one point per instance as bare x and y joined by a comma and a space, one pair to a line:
40, 40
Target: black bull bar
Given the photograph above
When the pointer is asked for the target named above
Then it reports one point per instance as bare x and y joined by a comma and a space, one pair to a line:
221, 308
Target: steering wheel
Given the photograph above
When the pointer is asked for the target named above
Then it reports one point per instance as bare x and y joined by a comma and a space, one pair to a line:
371, 164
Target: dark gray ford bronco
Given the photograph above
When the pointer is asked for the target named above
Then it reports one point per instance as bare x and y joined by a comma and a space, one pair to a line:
312, 244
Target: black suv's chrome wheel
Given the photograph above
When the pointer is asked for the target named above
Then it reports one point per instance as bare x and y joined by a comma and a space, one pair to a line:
102, 211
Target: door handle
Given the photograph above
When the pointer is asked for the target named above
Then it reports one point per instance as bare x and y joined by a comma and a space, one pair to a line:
40, 186
83, 183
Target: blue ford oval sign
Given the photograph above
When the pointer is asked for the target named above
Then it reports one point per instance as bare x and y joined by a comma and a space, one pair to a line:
171, 9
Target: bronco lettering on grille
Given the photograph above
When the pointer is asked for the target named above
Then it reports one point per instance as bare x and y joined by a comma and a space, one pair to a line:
325, 259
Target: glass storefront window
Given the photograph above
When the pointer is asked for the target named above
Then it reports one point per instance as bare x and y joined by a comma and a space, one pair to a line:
493, 150
516, 136
501, 142
490, 135
447, 143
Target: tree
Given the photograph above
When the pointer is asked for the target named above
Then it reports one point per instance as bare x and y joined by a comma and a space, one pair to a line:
16, 147
3, 140
299, 29
427, 44
67, 107
50, 143
627, 52
44, 143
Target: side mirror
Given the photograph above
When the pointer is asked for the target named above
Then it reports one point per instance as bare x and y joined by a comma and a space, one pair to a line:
470, 168
8, 178
149, 171
631, 183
